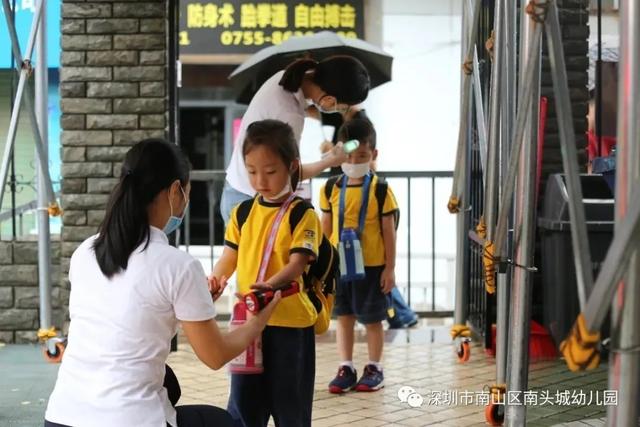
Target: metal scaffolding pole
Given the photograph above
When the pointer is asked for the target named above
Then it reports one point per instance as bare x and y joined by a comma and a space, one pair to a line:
508, 100
493, 155
44, 237
579, 238
480, 117
518, 367
624, 370
24, 69
615, 263
460, 311
525, 96
469, 45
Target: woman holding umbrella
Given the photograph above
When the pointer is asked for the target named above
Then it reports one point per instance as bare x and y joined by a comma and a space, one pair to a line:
331, 85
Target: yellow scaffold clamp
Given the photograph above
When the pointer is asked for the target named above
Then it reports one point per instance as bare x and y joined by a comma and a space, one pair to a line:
498, 391
537, 10
45, 334
580, 349
490, 43
54, 209
458, 331
453, 205
467, 67
481, 228
489, 263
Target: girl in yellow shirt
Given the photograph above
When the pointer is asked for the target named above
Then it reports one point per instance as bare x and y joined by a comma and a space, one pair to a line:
285, 389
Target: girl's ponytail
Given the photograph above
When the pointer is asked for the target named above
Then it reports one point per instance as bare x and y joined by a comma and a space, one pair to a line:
294, 73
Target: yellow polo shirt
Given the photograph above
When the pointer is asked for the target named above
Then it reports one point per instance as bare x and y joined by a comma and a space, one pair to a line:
295, 311
371, 238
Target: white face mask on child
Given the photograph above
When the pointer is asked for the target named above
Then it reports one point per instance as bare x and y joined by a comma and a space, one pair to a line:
286, 190
355, 170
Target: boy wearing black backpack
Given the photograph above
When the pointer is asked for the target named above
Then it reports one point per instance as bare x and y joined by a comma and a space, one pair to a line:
360, 216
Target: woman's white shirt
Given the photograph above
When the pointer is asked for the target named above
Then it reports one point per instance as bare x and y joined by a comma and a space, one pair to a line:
120, 332
271, 101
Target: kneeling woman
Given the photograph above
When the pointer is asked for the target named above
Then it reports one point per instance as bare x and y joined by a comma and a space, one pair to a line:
129, 290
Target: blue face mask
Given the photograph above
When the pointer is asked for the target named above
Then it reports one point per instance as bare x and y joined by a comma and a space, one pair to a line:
174, 222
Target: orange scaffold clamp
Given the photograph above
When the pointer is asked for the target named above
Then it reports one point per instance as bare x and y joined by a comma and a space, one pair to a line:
489, 263
460, 331
54, 209
453, 205
481, 228
580, 349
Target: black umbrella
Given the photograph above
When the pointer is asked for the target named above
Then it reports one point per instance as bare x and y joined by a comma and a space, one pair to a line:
252, 73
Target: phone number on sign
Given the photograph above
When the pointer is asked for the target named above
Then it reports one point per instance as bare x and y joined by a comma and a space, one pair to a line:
258, 38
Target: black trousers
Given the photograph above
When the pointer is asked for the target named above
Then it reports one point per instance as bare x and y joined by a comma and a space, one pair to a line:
188, 415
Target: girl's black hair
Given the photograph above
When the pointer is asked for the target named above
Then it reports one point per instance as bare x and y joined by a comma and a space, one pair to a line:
279, 138
149, 167
341, 76
358, 128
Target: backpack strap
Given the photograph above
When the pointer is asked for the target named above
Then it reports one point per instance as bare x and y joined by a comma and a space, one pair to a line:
244, 209
297, 212
328, 188
295, 216
381, 195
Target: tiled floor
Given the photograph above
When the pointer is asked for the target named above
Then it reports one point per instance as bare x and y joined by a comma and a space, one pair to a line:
420, 358
424, 360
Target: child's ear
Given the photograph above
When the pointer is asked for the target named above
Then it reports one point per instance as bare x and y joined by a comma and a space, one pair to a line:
295, 165
374, 155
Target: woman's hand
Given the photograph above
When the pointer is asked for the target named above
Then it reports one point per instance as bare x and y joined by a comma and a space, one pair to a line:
264, 314
217, 286
387, 280
337, 156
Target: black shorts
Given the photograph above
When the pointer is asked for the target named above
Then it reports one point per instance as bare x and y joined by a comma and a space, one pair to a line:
362, 298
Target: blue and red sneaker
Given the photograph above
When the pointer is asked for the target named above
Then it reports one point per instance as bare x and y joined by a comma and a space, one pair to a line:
372, 379
344, 381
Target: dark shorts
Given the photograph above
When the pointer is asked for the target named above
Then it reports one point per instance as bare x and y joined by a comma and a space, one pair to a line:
362, 298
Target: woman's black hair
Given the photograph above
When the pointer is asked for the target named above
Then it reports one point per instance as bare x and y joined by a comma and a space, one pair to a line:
358, 128
279, 138
340, 76
149, 167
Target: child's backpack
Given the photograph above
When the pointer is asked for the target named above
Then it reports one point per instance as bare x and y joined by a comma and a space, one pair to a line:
320, 280
380, 193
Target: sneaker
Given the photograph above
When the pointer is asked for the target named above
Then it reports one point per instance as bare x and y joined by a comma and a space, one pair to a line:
344, 381
372, 379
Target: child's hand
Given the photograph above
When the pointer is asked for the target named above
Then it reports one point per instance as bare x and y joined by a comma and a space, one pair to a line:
216, 286
261, 286
387, 280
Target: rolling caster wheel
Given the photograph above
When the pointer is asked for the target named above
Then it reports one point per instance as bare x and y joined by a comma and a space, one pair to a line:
463, 351
494, 414
55, 357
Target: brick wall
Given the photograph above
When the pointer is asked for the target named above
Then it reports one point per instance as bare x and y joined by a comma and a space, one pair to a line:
19, 294
113, 93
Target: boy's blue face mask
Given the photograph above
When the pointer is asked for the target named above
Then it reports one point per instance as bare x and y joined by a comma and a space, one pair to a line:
174, 222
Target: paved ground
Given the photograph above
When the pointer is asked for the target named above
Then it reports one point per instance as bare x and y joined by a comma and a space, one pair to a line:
420, 358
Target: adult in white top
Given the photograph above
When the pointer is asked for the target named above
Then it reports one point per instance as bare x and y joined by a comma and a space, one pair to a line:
129, 290
332, 85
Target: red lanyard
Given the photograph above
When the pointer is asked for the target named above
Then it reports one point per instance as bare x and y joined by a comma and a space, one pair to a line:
268, 248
